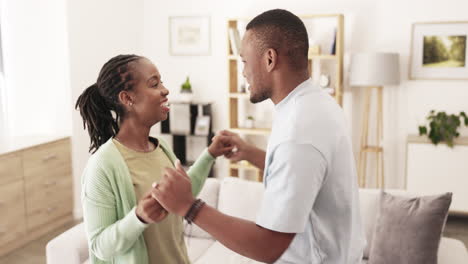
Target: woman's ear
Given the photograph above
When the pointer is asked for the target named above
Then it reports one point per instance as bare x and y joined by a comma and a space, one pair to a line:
272, 59
126, 98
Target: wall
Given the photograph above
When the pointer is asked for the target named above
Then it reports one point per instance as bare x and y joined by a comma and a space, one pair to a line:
98, 30
96, 34
371, 26
35, 43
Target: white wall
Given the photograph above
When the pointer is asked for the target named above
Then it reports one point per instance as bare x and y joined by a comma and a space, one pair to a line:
36, 67
370, 26
98, 30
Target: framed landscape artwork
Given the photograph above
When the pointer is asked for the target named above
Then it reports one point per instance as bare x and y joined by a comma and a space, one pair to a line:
189, 35
438, 51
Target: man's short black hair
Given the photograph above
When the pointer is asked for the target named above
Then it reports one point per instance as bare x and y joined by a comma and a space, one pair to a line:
283, 31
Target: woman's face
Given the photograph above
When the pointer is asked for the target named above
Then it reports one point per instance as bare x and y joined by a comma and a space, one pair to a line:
149, 96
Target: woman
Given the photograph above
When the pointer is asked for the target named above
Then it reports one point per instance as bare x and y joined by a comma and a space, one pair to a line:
124, 224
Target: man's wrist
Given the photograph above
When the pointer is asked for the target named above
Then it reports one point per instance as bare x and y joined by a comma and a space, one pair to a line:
194, 210
249, 151
186, 207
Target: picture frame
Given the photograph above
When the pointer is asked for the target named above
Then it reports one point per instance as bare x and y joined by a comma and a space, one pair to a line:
189, 35
438, 51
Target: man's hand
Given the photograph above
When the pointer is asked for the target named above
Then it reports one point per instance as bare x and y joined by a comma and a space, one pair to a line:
174, 191
221, 145
241, 148
149, 210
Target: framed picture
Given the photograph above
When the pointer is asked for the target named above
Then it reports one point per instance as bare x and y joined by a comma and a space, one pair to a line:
189, 35
438, 51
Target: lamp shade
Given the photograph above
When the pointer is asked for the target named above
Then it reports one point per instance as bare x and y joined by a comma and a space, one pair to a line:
374, 69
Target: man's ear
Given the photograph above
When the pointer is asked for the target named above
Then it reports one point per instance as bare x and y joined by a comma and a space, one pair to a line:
272, 59
126, 98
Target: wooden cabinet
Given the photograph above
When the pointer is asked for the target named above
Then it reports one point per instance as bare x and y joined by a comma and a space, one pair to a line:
438, 169
36, 192
13, 220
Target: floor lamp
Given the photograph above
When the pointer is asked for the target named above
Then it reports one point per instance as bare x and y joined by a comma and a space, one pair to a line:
372, 71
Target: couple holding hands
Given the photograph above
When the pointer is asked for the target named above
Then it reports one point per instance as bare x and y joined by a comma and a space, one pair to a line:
135, 193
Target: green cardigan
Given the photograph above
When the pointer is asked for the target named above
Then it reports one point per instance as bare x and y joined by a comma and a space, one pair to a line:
114, 233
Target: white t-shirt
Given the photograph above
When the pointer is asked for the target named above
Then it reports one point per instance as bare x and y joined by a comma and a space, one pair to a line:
310, 181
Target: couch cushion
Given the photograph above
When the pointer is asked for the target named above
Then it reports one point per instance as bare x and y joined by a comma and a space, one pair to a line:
197, 247
218, 253
408, 230
209, 194
452, 251
369, 200
240, 198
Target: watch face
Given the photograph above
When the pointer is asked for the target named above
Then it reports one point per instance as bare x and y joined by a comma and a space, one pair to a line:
324, 81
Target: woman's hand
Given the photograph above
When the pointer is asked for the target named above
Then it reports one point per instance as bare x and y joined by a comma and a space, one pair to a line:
149, 210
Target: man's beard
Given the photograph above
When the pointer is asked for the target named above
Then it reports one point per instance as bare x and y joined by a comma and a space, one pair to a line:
260, 96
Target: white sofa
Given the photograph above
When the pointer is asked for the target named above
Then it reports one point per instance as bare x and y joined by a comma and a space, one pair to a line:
242, 199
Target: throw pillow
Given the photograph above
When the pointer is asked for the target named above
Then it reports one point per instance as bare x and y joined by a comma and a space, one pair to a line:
408, 230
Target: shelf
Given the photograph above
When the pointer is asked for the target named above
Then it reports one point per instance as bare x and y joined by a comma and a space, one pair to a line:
372, 149
323, 57
251, 131
243, 165
462, 140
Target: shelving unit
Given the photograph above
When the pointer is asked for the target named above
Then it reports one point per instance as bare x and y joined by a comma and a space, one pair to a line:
234, 94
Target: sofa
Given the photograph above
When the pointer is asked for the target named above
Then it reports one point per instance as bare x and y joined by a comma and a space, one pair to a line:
239, 198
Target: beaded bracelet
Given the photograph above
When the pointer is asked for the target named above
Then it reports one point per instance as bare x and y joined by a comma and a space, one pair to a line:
193, 211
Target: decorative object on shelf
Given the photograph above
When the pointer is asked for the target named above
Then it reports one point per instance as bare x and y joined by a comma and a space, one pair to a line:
314, 49
333, 47
189, 35
202, 123
249, 122
235, 41
186, 91
438, 51
443, 127
324, 83
373, 71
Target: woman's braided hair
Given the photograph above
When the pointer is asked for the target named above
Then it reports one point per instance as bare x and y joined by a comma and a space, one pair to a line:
99, 104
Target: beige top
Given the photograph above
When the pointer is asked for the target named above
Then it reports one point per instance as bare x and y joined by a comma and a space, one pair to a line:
164, 240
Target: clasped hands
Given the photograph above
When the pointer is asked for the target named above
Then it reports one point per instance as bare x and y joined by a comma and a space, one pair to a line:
173, 193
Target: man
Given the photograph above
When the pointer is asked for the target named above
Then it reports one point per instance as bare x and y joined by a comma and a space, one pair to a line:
310, 211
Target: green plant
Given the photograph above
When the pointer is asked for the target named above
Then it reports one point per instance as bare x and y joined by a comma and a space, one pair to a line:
250, 117
186, 86
443, 127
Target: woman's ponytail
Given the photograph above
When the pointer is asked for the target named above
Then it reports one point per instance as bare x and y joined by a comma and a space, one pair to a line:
97, 117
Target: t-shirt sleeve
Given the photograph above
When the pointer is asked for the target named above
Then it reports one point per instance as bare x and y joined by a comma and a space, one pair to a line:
294, 177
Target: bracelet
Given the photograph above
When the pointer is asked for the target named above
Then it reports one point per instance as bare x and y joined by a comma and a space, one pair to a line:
193, 211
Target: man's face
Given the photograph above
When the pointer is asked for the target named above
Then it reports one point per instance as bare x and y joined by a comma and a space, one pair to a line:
255, 68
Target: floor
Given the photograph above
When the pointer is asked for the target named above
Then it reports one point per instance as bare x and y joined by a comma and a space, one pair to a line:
34, 252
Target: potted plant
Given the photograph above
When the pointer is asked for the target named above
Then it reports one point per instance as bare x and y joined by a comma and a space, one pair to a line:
249, 122
186, 91
443, 127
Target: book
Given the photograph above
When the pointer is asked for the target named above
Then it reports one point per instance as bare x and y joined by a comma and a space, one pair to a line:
234, 38
333, 47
